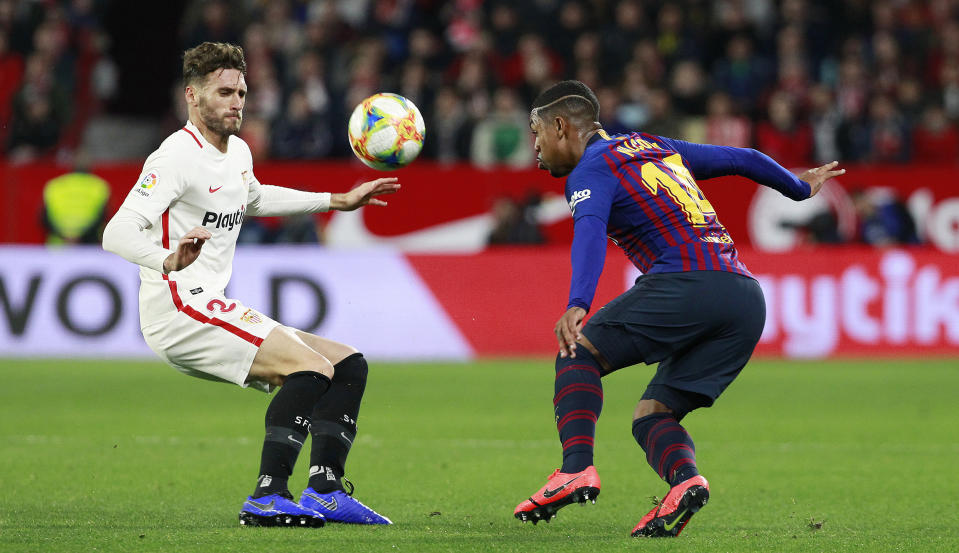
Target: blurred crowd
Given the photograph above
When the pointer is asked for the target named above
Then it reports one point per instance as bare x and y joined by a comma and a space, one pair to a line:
806, 81
55, 74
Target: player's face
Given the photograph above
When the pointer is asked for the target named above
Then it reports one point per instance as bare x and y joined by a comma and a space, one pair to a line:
547, 144
220, 101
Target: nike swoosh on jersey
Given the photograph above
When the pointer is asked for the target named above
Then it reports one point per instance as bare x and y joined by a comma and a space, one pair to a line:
292, 439
550, 493
212, 190
330, 505
345, 437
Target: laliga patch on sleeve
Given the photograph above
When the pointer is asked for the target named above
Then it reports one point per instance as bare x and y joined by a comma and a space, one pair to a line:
147, 184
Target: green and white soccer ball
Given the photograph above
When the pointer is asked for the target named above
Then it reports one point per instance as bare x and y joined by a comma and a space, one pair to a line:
386, 131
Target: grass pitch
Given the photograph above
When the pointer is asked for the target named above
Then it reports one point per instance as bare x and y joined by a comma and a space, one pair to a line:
801, 456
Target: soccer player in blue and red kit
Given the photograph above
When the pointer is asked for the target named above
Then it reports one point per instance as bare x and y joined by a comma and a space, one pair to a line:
696, 310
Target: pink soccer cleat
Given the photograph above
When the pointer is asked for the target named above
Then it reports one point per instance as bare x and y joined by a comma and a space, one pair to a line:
673, 513
560, 490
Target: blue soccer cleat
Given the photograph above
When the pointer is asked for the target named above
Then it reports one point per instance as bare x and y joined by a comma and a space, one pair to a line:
337, 506
278, 510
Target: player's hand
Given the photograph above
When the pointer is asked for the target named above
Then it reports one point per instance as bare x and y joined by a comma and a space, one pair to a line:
568, 331
187, 250
816, 177
365, 194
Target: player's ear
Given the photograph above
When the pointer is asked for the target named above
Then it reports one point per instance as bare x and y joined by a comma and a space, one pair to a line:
191, 95
560, 125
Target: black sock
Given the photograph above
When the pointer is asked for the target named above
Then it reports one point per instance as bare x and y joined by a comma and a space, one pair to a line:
287, 425
577, 403
333, 424
669, 449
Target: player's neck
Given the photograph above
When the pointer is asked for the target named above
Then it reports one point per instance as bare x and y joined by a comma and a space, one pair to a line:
579, 146
217, 140
588, 135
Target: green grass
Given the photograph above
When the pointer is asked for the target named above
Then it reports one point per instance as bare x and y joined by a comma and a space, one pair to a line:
123, 456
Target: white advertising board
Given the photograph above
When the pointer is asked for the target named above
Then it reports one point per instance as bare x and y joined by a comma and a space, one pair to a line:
82, 302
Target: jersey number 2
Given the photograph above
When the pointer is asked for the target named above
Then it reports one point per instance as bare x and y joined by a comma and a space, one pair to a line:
680, 186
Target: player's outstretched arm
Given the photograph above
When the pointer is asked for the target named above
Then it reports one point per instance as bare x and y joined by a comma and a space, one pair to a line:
816, 177
187, 250
271, 201
365, 194
707, 161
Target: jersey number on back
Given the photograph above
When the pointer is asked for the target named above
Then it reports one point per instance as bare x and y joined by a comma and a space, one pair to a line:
679, 186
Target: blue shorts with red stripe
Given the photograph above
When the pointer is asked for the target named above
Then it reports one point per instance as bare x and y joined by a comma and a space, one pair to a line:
700, 326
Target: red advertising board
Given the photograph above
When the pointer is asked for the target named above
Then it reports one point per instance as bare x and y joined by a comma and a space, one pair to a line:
823, 302
455, 201
859, 302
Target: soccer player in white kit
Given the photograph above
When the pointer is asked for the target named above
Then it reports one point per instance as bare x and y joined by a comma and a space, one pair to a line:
180, 224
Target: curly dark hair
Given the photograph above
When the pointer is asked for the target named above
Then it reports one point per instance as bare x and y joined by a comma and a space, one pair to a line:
200, 60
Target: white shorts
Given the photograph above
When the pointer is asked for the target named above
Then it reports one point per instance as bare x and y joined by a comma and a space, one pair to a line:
212, 337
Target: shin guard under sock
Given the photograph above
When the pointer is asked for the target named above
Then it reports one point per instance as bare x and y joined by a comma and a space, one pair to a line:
577, 403
287, 425
334, 423
669, 449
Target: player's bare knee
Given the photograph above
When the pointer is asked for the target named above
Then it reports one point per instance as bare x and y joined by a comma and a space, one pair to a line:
342, 353
585, 343
647, 407
321, 365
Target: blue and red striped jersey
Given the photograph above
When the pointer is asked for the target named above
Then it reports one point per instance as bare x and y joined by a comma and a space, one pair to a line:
640, 190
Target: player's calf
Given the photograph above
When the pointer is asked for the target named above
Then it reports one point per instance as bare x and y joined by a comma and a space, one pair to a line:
561, 489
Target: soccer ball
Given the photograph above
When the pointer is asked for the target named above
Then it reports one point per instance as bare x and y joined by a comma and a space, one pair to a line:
386, 131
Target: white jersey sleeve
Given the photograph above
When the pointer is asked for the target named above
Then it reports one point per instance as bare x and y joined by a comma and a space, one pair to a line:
265, 200
158, 186
278, 201
124, 235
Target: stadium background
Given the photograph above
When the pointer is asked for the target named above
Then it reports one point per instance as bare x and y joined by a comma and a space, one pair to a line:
833, 439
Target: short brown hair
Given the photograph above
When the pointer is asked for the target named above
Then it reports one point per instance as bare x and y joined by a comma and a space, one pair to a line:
200, 60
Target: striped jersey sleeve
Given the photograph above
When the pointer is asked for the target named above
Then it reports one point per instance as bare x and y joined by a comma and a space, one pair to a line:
645, 193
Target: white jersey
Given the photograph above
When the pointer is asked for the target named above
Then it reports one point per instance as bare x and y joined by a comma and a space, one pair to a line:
187, 183
185, 316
